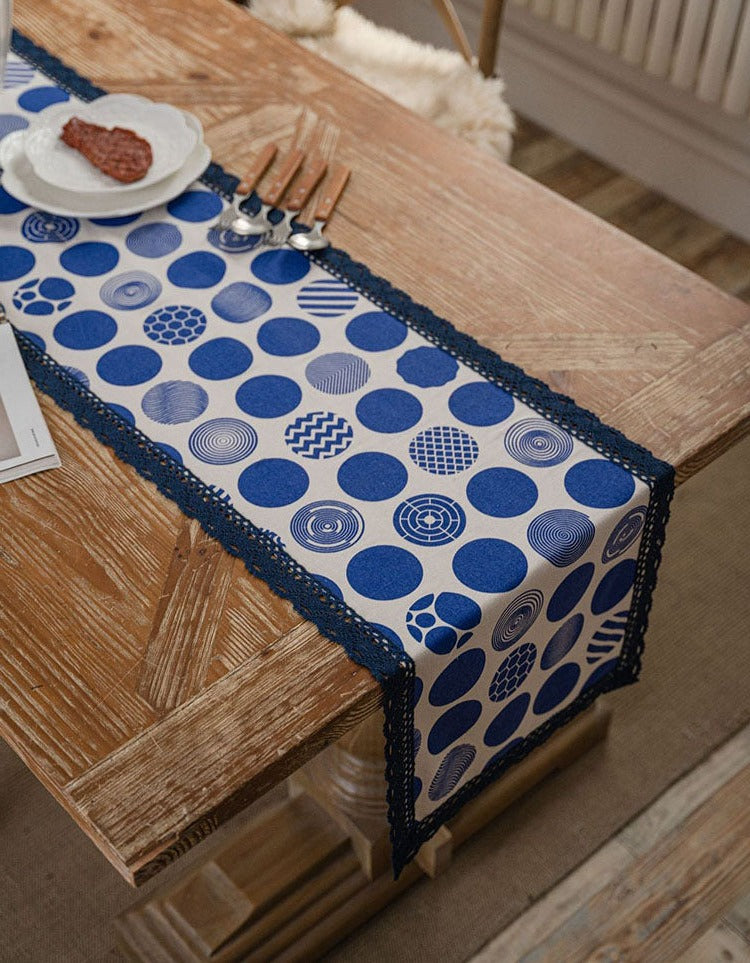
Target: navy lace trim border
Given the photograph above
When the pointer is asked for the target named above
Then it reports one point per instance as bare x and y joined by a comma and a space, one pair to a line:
393, 669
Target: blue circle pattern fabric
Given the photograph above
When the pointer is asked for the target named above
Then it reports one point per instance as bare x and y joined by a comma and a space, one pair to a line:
496, 550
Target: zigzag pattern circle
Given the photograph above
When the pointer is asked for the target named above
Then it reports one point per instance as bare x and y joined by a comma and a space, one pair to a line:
223, 441
517, 619
512, 672
561, 535
319, 434
45, 228
451, 770
625, 532
130, 290
429, 520
538, 443
327, 526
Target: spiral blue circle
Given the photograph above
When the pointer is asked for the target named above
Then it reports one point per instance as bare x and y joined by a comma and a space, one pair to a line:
130, 290
513, 672
327, 526
224, 239
273, 483
220, 358
561, 535
570, 592
223, 441
199, 269
427, 367
85, 329
287, 337
280, 267
376, 331
453, 724
429, 520
502, 492
625, 533
538, 443
240, 302
598, 483
557, 688
389, 410
490, 565
42, 228
516, 619
156, 239
384, 572
372, 476
507, 721
450, 772
458, 678
90, 258
195, 206
174, 402
130, 364
268, 396
481, 403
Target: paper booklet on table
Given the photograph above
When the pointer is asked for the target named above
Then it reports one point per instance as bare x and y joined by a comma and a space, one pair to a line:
26, 445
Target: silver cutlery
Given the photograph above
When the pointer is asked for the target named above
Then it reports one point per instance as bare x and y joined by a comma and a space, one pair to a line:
313, 240
244, 190
307, 183
258, 223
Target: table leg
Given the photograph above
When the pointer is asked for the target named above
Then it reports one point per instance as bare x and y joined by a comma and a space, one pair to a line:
310, 869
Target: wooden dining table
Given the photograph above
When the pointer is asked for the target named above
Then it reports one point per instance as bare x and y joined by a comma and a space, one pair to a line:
149, 681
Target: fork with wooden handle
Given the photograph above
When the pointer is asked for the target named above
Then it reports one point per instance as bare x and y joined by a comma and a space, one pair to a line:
307, 183
258, 223
244, 189
313, 240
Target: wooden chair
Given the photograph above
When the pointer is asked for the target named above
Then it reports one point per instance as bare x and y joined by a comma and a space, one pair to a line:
489, 33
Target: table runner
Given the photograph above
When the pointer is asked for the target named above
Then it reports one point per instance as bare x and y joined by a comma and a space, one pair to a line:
483, 545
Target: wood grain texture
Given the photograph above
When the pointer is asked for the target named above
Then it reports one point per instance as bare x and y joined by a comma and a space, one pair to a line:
150, 734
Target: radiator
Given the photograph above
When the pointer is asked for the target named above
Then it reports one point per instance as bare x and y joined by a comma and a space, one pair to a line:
701, 46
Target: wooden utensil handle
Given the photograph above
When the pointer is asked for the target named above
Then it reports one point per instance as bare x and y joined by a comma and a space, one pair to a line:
332, 192
289, 168
260, 165
306, 184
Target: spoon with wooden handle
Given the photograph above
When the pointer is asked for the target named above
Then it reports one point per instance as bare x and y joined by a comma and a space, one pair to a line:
244, 189
258, 223
313, 240
307, 183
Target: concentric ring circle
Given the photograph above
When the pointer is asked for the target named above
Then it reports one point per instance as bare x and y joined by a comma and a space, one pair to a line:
517, 619
327, 526
538, 443
223, 441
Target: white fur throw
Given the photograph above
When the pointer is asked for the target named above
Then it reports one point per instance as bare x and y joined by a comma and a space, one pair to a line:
438, 84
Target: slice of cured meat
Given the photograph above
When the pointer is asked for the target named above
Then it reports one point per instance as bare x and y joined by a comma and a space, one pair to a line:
119, 152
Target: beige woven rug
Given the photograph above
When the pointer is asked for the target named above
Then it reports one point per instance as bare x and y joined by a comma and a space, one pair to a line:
58, 895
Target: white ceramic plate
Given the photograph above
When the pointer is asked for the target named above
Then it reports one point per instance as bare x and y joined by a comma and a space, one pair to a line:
163, 126
19, 180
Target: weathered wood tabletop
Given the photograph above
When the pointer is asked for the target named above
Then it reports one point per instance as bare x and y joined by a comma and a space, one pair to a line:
150, 683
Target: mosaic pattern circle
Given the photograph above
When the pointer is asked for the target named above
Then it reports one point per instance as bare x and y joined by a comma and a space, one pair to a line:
175, 324
443, 450
513, 671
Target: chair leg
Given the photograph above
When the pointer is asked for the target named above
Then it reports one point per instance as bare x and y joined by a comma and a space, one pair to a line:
451, 20
489, 35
